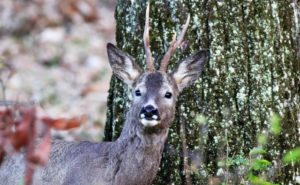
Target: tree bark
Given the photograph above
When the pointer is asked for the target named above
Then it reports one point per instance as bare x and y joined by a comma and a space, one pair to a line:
254, 70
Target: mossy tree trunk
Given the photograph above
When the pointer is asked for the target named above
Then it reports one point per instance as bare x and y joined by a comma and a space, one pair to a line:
254, 70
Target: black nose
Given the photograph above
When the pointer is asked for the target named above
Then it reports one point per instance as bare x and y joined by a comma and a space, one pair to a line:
150, 113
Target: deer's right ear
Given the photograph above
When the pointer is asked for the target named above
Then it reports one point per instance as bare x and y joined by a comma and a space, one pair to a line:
122, 64
190, 69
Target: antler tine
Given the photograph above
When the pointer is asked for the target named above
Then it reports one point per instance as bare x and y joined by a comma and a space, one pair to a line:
173, 46
149, 60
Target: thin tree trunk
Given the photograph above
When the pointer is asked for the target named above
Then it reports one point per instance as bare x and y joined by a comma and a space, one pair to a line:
254, 70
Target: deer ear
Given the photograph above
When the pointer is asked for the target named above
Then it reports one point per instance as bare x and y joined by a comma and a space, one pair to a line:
190, 69
122, 64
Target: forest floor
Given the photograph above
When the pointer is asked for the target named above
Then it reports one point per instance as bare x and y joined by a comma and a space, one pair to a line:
53, 53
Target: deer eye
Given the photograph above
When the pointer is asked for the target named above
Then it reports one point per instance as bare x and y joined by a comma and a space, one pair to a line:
138, 92
168, 95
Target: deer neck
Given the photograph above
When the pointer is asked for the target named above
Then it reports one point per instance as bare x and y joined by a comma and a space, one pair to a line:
147, 138
139, 152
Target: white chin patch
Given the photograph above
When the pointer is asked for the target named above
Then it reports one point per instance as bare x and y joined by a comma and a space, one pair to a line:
149, 123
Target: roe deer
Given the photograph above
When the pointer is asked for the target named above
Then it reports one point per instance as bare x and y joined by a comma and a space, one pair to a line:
134, 158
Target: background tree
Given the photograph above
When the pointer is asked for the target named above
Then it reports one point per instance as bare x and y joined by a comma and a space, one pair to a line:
254, 71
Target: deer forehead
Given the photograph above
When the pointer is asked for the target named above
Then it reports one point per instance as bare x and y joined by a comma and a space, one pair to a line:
155, 82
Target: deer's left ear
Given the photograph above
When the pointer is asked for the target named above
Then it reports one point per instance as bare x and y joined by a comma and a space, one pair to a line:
122, 64
190, 69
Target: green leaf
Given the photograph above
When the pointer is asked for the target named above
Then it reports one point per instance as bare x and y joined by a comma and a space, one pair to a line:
2, 65
275, 124
257, 150
221, 163
260, 164
236, 161
262, 139
255, 180
201, 119
292, 156
239, 160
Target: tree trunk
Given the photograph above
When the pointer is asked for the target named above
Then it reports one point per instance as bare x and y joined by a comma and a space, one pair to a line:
254, 70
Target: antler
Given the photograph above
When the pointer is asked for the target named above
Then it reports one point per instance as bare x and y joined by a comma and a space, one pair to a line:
149, 60
173, 46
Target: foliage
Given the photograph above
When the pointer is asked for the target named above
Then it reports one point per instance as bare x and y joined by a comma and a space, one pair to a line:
259, 165
275, 126
257, 150
259, 181
292, 156
255, 164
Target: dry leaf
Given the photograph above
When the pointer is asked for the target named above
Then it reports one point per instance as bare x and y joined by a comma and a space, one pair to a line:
2, 155
89, 89
24, 130
63, 123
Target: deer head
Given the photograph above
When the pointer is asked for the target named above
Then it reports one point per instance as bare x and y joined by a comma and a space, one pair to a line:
155, 91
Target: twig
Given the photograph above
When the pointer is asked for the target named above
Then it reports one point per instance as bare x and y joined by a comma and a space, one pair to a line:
186, 166
227, 155
3, 89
